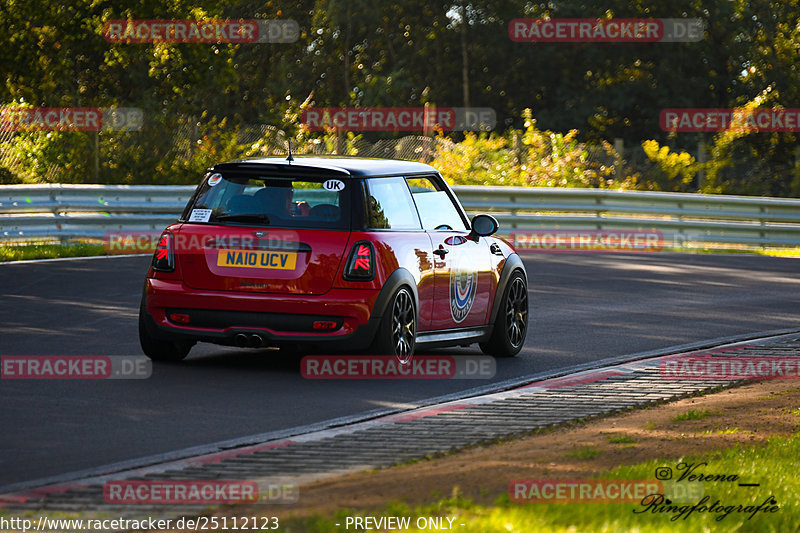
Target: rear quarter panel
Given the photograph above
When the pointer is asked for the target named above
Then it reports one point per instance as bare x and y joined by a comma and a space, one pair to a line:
410, 250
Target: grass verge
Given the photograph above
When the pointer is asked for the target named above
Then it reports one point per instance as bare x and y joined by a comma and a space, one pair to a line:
693, 414
24, 252
771, 466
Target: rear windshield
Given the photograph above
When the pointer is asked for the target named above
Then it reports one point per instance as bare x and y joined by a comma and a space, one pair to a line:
284, 202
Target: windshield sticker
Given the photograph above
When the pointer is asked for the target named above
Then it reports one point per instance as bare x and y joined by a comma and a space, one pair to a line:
214, 179
333, 185
200, 215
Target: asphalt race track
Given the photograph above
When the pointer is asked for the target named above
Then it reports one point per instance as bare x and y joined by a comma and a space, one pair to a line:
584, 307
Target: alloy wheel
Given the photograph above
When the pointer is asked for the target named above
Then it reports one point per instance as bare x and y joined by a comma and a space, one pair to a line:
404, 326
517, 312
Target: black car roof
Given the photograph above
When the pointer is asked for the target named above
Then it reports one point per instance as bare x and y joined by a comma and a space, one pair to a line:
343, 166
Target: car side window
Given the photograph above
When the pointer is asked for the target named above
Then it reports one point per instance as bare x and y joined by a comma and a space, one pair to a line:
436, 210
389, 205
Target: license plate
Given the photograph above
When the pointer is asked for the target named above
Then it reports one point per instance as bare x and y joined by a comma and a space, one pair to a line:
257, 259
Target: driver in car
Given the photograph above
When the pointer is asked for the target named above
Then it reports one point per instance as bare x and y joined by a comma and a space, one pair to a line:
278, 201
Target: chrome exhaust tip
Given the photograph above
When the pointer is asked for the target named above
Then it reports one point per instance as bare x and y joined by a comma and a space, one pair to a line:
240, 340
255, 341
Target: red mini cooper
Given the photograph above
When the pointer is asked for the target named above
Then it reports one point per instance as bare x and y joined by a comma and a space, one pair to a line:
332, 254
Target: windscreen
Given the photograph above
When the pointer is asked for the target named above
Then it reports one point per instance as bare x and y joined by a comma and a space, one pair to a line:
284, 202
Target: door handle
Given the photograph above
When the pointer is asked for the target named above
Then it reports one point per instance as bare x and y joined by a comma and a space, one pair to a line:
441, 251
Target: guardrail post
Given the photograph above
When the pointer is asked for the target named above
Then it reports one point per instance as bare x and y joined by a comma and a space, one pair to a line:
513, 211
679, 240
598, 213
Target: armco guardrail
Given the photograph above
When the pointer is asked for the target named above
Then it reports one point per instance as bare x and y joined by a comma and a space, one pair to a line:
64, 212
682, 218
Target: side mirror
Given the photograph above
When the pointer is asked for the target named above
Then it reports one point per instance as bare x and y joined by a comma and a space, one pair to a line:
483, 226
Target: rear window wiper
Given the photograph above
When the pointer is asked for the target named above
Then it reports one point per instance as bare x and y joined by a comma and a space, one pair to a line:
245, 217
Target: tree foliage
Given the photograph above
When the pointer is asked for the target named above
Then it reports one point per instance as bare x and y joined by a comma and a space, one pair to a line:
389, 53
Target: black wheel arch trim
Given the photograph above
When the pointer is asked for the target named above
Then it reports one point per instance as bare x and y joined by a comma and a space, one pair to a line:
513, 263
398, 278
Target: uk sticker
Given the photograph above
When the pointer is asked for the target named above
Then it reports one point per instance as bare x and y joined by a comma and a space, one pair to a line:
214, 179
333, 185
200, 215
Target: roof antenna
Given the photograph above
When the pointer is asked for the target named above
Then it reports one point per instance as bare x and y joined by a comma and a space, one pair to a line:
289, 157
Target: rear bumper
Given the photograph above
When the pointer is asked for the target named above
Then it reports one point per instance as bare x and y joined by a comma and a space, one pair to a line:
216, 316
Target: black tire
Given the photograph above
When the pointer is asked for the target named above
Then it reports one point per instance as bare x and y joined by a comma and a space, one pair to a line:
158, 349
511, 323
397, 331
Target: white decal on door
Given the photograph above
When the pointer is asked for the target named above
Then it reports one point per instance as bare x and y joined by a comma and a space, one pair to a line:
463, 286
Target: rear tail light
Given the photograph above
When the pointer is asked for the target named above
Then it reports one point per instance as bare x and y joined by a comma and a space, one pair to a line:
361, 263
164, 256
